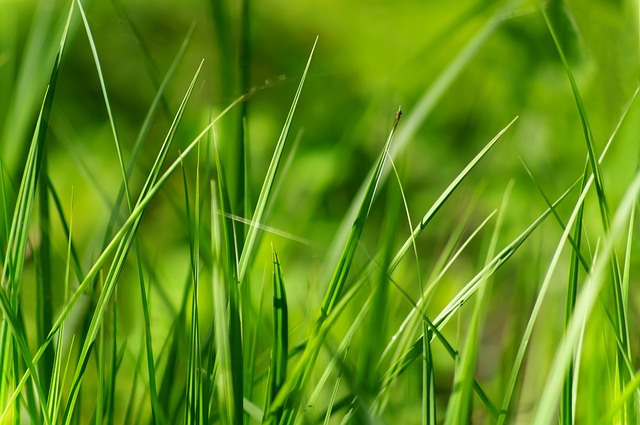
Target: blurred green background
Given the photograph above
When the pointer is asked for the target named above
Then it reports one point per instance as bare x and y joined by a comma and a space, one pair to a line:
460, 70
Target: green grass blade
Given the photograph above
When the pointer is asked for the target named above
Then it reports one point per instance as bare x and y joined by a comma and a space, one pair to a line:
226, 258
14, 261
539, 300
44, 294
621, 324
224, 381
280, 352
344, 263
419, 113
269, 180
290, 393
123, 245
459, 406
146, 127
376, 325
41, 52
586, 300
105, 96
445, 195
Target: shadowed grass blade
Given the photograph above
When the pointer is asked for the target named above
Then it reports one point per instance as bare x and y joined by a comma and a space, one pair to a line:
280, 352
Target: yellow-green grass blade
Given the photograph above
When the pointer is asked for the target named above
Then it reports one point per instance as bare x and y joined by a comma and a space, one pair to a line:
545, 410
413, 317
224, 381
41, 50
621, 322
226, 257
460, 402
568, 396
268, 184
539, 300
18, 234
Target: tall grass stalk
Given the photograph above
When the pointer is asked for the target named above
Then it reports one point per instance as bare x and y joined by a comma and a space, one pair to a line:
128, 326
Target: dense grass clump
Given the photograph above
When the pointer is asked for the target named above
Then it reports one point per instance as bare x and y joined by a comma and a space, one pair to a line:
181, 243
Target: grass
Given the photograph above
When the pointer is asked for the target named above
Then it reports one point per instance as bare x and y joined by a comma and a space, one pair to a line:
180, 297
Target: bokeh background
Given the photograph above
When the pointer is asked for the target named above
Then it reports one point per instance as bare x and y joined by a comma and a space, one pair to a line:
460, 70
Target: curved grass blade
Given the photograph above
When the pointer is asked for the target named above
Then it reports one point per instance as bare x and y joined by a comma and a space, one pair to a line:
568, 395
621, 324
584, 305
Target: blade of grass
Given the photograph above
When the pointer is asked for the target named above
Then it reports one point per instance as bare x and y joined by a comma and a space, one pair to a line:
421, 111
269, 180
123, 245
413, 353
14, 262
41, 52
280, 352
427, 219
44, 295
224, 382
546, 406
227, 260
289, 395
572, 290
193, 413
107, 103
459, 406
376, 323
145, 128
621, 325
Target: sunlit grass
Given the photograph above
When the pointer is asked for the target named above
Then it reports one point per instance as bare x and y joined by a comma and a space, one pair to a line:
402, 329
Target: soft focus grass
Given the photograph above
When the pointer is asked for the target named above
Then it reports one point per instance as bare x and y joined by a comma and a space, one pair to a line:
216, 212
